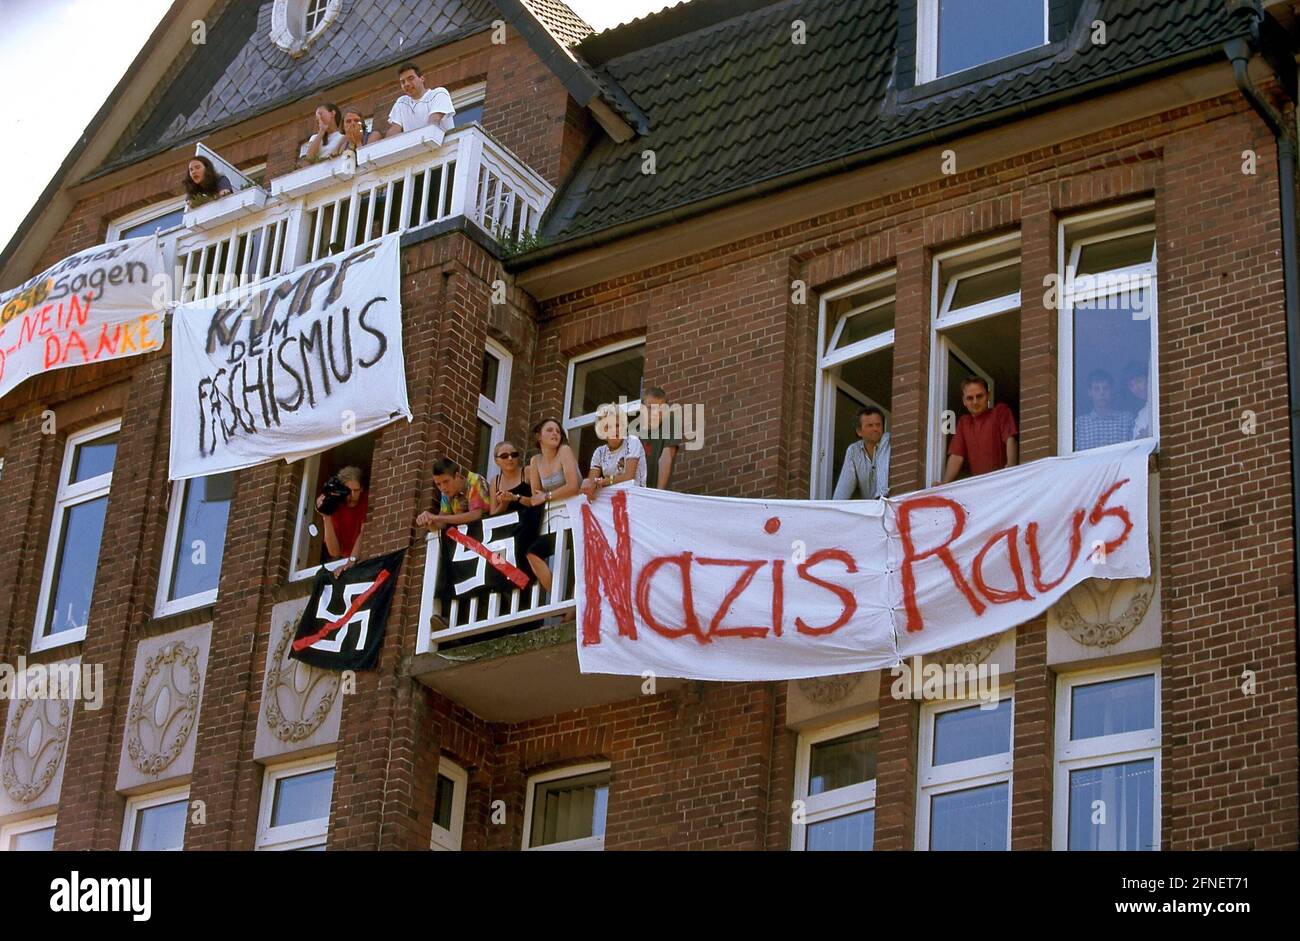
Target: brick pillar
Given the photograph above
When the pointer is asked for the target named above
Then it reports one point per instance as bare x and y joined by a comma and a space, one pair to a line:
29, 492
1038, 378
896, 770
90, 810
911, 364
387, 763
1033, 747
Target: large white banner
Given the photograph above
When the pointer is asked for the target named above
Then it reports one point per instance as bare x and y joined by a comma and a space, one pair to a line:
715, 588
302, 363
93, 306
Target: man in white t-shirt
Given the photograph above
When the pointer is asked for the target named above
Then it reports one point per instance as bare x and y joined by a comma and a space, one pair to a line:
618, 459
418, 106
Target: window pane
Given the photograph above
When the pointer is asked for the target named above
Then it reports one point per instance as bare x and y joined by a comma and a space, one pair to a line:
483, 451
443, 795
302, 797
866, 324
850, 832
972, 32
468, 115
1113, 707
161, 223
605, 379
34, 840
976, 289
74, 570
161, 827
94, 458
487, 384
1112, 808
843, 761
963, 734
202, 535
1116, 253
1109, 333
975, 819
570, 809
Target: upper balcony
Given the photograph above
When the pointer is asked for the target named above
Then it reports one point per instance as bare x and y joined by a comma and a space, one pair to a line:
392, 185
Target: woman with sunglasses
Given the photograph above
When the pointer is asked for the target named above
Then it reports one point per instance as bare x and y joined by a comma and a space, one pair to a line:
510, 491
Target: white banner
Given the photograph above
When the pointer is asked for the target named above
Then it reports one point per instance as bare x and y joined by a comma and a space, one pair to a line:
93, 306
299, 364
715, 588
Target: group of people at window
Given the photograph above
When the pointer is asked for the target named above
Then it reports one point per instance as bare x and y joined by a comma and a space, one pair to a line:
986, 438
338, 130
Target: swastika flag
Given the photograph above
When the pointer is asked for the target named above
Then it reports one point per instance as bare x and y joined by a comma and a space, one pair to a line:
343, 623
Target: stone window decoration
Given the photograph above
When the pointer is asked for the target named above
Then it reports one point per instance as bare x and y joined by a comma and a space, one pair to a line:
296, 24
164, 708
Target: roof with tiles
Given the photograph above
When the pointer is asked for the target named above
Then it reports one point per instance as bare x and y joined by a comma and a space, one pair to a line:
565, 25
731, 101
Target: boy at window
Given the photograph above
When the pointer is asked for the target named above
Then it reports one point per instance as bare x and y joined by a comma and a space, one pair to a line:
419, 107
618, 459
343, 526
986, 437
866, 461
1104, 424
1135, 377
465, 497
658, 442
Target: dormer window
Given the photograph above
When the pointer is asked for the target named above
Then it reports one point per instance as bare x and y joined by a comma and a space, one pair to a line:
295, 24
956, 35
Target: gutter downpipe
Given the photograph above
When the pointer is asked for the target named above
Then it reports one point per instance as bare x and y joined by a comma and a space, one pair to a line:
1240, 52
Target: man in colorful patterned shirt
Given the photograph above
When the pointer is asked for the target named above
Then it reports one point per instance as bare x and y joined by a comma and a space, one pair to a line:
464, 497
1103, 425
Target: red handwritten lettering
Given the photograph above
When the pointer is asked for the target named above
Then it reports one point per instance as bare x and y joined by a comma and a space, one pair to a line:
1035, 559
911, 556
999, 595
690, 623
1119, 512
849, 602
751, 567
778, 595
610, 569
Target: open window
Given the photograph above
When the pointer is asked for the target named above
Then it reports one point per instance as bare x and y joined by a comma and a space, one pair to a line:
449, 806
610, 375
975, 331
309, 551
855, 369
956, 35
493, 399
1108, 376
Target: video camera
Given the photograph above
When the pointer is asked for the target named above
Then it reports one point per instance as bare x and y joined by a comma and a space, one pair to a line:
335, 492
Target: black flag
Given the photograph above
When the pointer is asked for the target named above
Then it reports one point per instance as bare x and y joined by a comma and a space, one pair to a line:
343, 625
486, 556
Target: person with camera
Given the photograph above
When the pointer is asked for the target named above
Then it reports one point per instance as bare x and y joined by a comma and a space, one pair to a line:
342, 504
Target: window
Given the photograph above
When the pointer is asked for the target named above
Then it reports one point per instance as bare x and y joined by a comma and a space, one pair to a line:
855, 368
295, 807
34, 835
975, 331
955, 35
835, 777
196, 537
566, 809
605, 376
156, 821
493, 398
448, 806
72, 556
1108, 371
160, 217
314, 15
964, 782
468, 102
1107, 786
309, 538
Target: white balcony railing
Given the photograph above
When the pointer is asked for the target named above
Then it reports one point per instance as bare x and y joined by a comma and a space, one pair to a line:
484, 612
389, 186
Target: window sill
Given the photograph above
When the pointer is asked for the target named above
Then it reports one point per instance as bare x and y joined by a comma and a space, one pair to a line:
54, 641
923, 91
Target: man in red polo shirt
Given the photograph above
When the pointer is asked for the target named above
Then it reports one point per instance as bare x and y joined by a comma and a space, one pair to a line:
986, 438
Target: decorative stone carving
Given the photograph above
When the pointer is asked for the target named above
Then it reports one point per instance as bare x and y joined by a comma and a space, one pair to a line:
825, 690
33, 747
298, 697
164, 707
977, 651
1101, 612
288, 19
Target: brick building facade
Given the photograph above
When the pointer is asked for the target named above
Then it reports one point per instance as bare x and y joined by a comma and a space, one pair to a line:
728, 304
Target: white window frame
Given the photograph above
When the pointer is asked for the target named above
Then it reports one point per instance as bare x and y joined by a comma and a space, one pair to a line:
163, 606
932, 781
824, 464
927, 41
1101, 750
143, 802
491, 413
469, 96
306, 507
291, 836
574, 426
442, 839
840, 802
11, 830
591, 843
318, 7
1144, 275
144, 215
67, 496
944, 317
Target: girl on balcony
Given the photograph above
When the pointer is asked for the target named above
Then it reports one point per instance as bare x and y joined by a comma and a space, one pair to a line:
202, 182
354, 130
552, 475
510, 491
328, 141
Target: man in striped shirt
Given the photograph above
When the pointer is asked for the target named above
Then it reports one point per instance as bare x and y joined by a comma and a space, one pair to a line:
866, 462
